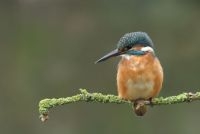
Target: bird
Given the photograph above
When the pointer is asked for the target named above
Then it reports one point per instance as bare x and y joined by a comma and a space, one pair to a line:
139, 73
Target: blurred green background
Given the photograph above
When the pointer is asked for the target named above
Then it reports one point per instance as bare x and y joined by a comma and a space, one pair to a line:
48, 49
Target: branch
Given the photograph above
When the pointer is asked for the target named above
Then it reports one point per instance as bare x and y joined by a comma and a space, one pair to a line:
46, 104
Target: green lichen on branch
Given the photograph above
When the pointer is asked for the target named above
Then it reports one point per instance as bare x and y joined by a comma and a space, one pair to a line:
46, 104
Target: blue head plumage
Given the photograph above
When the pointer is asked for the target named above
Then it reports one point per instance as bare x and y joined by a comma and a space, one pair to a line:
134, 38
127, 42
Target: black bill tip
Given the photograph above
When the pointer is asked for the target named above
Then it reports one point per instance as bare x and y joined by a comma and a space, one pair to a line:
109, 55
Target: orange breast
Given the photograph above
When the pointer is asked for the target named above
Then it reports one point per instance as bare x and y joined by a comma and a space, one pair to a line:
139, 77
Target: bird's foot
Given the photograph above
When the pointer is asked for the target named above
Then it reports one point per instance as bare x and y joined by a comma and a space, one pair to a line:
150, 102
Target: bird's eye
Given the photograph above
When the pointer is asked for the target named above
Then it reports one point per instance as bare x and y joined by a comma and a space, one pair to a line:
127, 48
124, 48
120, 49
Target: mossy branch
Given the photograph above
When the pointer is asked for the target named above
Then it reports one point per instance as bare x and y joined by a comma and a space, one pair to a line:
46, 104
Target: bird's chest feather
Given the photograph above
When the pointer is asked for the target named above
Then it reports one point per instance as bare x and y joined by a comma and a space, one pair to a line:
136, 76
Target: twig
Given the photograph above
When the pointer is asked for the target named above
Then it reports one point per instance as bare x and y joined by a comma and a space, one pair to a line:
46, 104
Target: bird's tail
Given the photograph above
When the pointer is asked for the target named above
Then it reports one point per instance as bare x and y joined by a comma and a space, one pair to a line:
139, 107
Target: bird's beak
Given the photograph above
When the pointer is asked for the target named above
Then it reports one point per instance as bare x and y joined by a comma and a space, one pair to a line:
113, 53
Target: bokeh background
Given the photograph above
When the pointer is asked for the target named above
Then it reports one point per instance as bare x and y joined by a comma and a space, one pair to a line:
48, 49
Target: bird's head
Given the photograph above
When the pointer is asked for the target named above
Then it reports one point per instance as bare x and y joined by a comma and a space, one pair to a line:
135, 43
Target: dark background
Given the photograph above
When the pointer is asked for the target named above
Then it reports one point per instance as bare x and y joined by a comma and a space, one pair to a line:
48, 49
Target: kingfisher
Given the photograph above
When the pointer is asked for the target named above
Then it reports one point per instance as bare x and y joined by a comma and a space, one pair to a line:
139, 74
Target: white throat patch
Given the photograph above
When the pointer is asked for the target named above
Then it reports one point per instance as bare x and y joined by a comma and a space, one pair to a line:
126, 56
147, 49
144, 49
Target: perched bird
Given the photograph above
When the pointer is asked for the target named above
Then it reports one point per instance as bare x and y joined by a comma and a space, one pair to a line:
140, 74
